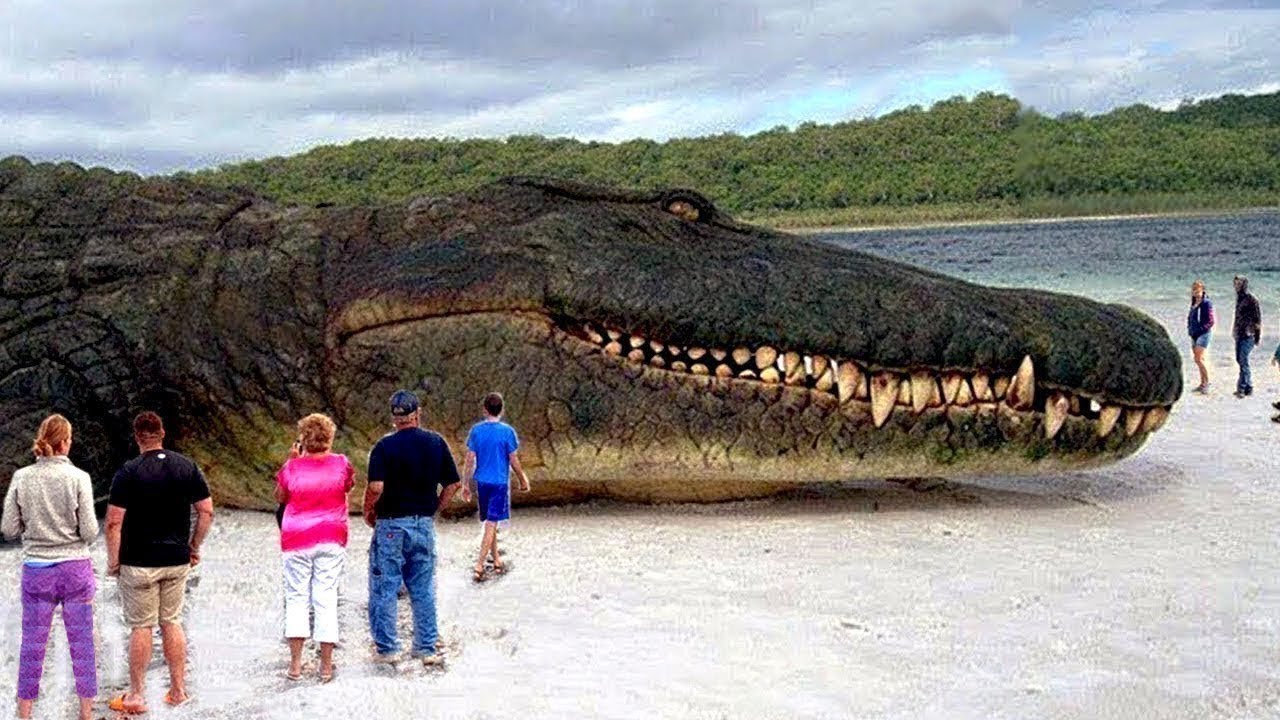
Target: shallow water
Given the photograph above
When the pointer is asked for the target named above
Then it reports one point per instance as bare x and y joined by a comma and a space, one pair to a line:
1149, 589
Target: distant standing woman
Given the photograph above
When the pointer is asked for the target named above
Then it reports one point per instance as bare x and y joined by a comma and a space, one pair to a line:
312, 486
1200, 326
50, 505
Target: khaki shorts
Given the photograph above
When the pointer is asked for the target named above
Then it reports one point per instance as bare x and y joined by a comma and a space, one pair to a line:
152, 595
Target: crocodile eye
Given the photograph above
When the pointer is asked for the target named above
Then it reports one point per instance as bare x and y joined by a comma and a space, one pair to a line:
683, 210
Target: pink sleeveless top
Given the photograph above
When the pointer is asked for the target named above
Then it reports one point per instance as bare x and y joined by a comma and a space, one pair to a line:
316, 510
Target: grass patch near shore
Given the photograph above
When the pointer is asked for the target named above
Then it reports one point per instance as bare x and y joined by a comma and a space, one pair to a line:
1033, 208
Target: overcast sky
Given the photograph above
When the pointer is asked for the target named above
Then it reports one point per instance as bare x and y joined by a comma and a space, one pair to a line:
180, 84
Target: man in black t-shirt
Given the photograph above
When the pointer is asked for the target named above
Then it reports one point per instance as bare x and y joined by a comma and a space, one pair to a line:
151, 547
406, 470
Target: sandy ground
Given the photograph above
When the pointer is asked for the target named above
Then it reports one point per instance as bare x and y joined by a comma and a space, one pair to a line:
1146, 590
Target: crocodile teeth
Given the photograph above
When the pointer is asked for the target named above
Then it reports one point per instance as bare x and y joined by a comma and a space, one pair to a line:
1107, 418
904, 391
826, 379
718, 354
1021, 394
698, 369
951, 383
1055, 413
655, 346
747, 374
613, 348
636, 341
724, 371
884, 392
636, 355
793, 368
1155, 419
657, 362
678, 366
614, 334
924, 391
593, 336
765, 357
1132, 421
849, 382
696, 353
741, 356
964, 396
770, 375
982, 388
819, 365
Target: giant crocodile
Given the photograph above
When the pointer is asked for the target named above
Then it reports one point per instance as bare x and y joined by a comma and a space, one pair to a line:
649, 346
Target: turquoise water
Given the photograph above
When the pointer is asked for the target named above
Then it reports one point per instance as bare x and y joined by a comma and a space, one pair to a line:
1145, 262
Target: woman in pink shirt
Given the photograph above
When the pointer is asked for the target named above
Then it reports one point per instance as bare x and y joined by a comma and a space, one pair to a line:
313, 487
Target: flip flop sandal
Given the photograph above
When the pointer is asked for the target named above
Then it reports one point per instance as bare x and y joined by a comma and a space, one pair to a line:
292, 676
477, 575
118, 704
501, 569
328, 678
168, 699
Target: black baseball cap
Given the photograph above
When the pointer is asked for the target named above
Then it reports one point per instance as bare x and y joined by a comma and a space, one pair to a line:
403, 403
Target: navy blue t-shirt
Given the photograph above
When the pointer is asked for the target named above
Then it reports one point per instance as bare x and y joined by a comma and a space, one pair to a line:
413, 465
157, 490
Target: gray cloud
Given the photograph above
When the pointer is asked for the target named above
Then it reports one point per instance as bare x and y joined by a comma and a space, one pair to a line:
158, 86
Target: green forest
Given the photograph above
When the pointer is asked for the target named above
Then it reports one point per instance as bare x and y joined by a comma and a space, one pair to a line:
980, 158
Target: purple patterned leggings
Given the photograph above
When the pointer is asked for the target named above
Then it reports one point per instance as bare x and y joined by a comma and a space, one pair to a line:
70, 584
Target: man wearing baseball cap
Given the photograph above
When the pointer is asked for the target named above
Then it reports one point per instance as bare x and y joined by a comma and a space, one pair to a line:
407, 468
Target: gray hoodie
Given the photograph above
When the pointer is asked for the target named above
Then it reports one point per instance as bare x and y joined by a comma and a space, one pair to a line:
50, 506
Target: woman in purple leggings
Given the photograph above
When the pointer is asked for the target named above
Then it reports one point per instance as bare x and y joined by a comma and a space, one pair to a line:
50, 506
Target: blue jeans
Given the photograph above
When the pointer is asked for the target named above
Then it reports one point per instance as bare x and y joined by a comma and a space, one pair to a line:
1244, 346
403, 551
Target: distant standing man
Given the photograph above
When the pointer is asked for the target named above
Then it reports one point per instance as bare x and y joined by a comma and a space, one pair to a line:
1200, 321
151, 547
491, 454
1247, 331
406, 470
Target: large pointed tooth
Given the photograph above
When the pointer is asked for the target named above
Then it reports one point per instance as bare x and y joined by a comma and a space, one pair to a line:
724, 371
964, 395
614, 334
982, 387
884, 393
818, 365
765, 357
696, 353
793, 368
1021, 394
850, 381
742, 356
924, 391
1132, 421
613, 348
951, 383
636, 341
998, 387
656, 346
1107, 418
718, 354
1055, 413
1155, 419
826, 380
770, 375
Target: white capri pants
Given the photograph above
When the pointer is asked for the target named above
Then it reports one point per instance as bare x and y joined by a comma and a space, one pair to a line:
311, 580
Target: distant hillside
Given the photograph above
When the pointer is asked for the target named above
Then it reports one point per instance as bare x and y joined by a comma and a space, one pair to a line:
990, 149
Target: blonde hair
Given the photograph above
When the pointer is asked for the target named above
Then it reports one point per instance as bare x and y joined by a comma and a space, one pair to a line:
316, 432
54, 431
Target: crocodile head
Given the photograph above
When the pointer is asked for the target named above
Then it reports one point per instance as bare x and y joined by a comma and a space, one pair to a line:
650, 347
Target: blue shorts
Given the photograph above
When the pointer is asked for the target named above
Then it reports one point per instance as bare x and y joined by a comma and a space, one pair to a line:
1202, 341
494, 500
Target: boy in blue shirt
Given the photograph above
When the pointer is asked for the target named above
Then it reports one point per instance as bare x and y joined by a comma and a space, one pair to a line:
491, 453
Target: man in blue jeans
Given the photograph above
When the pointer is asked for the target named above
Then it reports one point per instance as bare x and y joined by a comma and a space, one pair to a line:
1247, 330
406, 469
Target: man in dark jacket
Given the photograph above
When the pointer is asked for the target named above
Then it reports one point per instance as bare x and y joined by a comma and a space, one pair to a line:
1247, 330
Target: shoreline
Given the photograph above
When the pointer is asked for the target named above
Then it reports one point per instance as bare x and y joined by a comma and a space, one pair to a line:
1000, 221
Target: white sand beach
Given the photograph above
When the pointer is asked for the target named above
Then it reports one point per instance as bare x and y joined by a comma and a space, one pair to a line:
1151, 589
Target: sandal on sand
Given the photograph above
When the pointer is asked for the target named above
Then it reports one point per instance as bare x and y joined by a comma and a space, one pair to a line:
292, 676
168, 699
327, 677
477, 574
499, 568
119, 704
